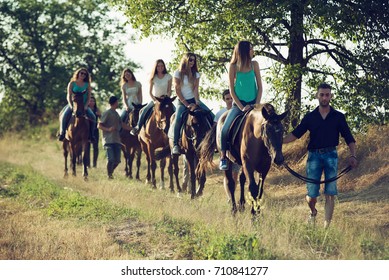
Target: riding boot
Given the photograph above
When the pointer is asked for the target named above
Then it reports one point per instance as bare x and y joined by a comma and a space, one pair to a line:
329, 210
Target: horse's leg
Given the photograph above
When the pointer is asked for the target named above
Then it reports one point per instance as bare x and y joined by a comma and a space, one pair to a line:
190, 160
74, 157
170, 171
253, 189
85, 159
138, 158
231, 189
201, 181
242, 201
65, 154
176, 170
162, 165
131, 157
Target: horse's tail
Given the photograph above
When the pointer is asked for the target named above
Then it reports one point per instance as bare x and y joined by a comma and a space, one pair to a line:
165, 152
206, 151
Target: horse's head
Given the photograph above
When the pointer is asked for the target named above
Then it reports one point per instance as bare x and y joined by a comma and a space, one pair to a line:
163, 110
78, 104
197, 125
133, 117
272, 133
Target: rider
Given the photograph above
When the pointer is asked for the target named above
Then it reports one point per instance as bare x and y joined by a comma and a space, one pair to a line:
131, 92
160, 85
80, 83
245, 89
186, 80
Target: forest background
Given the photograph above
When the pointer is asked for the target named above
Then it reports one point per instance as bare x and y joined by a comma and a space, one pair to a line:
344, 43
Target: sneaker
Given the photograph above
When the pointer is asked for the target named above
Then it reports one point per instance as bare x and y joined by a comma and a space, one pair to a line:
134, 131
223, 165
61, 137
176, 150
312, 218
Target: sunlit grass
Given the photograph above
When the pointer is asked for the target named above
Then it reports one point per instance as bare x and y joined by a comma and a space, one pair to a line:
135, 221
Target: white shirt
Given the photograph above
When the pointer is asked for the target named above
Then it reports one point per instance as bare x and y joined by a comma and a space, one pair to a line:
186, 86
132, 94
219, 114
160, 85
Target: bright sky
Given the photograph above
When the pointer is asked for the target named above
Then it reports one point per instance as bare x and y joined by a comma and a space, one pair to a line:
145, 52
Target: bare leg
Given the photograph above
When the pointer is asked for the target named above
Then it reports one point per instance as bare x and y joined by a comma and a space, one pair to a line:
329, 209
312, 203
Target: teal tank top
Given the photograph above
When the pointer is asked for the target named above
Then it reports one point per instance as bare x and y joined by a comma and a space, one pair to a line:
246, 86
83, 90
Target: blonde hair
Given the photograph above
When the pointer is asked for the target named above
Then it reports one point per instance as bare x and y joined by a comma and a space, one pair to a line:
241, 55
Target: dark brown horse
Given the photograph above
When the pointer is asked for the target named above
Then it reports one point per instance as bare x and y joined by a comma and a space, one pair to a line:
77, 135
257, 144
154, 136
131, 147
195, 128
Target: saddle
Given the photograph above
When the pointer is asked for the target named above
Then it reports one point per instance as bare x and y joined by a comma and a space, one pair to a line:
233, 133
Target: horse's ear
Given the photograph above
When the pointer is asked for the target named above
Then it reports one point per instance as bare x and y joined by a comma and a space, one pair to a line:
133, 104
265, 114
159, 99
173, 98
283, 115
141, 106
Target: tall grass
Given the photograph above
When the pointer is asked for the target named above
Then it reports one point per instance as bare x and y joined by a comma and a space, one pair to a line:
101, 219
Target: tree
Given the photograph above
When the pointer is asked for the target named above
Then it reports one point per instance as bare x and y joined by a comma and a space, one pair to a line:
343, 42
43, 43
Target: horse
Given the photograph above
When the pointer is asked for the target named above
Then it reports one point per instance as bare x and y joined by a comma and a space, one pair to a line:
258, 143
195, 128
77, 138
131, 146
154, 136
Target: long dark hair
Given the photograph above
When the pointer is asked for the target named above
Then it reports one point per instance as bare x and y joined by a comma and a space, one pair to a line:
155, 72
241, 55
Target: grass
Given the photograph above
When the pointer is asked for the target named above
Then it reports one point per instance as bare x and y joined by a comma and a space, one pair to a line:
43, 216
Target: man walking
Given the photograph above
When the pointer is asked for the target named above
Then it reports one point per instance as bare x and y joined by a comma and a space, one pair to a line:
324, 124
111, 124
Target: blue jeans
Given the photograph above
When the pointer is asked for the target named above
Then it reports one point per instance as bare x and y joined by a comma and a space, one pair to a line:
178, 121
231, 115
144, 113
113, 151
66, 114
317, 163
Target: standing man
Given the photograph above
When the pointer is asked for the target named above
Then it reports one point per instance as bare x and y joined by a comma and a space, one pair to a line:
324, 124
111, 124
227, 98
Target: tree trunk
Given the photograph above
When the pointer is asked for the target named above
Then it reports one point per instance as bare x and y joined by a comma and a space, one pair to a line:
295, 59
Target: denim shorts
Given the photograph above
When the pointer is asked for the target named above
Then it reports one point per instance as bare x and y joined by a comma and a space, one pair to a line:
317, 163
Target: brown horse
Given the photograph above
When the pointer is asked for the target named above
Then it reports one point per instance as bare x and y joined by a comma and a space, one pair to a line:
257, 144
195, 128
77, 137
131, 147
154, 136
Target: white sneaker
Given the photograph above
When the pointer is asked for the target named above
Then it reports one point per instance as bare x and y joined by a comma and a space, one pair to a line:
176, 150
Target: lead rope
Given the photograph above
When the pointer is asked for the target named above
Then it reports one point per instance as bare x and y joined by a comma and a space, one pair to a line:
310, 180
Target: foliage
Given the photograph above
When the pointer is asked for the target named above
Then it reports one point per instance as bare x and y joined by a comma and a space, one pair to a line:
43, 43
342, 42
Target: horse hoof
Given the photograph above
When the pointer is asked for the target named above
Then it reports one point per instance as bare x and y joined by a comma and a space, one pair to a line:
85, 179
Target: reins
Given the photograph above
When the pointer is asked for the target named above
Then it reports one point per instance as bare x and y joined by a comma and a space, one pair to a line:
310, 180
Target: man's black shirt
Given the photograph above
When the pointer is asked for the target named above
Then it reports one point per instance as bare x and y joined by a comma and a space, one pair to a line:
324, 133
